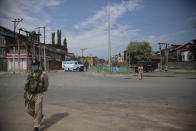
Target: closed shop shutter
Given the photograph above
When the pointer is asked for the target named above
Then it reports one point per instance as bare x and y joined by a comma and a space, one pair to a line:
3, 64
16, 65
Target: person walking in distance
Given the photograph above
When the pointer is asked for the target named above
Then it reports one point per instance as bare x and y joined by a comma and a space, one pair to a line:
86, 65
36, 85
140, 72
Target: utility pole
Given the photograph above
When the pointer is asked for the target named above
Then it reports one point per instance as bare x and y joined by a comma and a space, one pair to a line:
109, 40
39, 43
128, 58
33, 53
16, 22
83, 49
18, 41
160, 56
166, 54
44, 47
39, 46
27, 34
44, 50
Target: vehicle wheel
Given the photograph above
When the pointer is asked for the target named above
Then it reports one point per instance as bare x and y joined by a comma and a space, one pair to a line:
77, 69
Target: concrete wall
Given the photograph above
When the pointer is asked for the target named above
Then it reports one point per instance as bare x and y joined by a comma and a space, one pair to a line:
182, 65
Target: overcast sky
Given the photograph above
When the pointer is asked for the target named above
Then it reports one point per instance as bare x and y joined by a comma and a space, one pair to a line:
84, 22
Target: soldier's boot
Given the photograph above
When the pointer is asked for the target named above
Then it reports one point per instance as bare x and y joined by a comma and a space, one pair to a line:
42, 117
36, 129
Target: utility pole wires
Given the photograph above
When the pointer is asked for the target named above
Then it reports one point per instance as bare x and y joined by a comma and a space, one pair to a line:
27, 34
83, 49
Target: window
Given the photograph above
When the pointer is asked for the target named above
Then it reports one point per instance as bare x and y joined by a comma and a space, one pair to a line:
2, 52
2, 40
182, 56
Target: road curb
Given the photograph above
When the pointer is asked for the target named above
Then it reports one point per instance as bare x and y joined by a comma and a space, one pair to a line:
183, 71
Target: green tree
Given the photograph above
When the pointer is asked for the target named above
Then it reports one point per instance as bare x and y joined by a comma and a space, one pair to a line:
59, 37
138, 51
195, 24
53, 38
65, 42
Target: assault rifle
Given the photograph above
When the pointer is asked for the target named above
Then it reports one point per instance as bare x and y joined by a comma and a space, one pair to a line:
26, 98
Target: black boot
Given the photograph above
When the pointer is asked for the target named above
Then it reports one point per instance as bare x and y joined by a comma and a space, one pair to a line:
36, 129
42, 117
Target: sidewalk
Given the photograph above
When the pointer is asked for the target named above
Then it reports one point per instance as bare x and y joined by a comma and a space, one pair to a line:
184, 71
11, 73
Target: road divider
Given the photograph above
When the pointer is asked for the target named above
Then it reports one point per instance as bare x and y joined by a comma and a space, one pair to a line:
112, 69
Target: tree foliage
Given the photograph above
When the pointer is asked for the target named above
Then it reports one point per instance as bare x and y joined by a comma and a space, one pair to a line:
195, 24
138, 51
53, 38
59, 37
65, 42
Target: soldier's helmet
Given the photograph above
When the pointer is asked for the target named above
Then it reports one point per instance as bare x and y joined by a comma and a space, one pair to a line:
35, 65
36, 62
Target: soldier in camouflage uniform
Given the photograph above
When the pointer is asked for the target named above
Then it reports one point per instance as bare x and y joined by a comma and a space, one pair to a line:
37, 83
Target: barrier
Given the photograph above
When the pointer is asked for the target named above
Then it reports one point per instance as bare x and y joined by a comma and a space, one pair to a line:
112, 69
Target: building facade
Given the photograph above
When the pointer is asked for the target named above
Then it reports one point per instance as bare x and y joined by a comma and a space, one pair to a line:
183, 53
17, 51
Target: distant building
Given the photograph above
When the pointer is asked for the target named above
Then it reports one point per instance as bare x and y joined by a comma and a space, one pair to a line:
91, 60
185, 52
70, 56
118, 59
155, 56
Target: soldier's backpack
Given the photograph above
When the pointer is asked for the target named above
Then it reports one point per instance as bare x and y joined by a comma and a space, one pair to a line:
34, 84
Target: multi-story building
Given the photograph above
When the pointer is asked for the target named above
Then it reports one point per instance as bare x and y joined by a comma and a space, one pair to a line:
183, 52
17, 52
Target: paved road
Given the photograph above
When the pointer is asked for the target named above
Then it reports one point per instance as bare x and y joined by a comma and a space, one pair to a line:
89, 101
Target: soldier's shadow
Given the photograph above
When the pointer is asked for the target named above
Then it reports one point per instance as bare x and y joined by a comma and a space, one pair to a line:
52, 120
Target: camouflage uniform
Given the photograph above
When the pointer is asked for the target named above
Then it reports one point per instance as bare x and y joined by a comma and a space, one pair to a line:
35, 100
